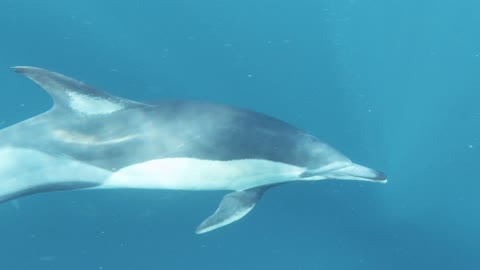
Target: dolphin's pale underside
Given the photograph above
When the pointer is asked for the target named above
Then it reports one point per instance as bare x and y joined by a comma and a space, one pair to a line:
91, 139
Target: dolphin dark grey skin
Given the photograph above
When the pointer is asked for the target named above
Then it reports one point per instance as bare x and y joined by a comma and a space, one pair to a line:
91, 139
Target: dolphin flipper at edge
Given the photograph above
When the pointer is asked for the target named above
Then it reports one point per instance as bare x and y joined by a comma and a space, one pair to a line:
233, 207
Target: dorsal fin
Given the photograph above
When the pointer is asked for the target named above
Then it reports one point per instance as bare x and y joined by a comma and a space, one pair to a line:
73, 95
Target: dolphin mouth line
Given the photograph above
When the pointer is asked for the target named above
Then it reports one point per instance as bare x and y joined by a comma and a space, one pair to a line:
323, 170
345, 171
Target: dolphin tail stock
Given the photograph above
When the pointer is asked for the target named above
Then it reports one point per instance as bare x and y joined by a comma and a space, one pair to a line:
233, 207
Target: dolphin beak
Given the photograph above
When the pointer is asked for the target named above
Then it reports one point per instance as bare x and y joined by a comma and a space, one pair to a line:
358, 172
346, 171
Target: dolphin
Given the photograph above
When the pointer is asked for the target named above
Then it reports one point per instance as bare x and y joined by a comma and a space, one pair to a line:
90, 139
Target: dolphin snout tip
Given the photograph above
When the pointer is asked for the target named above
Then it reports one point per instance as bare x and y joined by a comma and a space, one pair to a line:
380, 178
19, 69
383, 181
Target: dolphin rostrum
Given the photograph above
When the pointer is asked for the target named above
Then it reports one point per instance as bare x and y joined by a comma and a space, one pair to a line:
91, 139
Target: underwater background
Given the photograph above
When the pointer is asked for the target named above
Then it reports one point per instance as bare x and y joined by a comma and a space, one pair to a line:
394, 85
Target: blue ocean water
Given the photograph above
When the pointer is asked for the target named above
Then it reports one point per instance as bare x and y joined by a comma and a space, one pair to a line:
394, 85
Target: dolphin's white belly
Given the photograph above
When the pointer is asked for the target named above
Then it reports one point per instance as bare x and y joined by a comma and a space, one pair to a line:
199, 174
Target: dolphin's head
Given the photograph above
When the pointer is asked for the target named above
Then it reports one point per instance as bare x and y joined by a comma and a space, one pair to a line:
324, 162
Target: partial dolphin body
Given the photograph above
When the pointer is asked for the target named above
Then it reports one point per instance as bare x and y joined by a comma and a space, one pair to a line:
91, 139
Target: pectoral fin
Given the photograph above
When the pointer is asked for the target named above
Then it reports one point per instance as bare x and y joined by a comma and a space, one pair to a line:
233, 207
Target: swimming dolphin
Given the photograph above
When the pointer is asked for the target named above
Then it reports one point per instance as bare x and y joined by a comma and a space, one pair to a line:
91, 139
